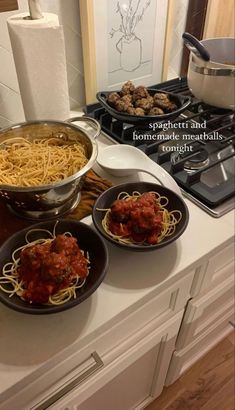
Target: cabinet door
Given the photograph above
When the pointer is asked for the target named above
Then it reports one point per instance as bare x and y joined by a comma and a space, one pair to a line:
131, 381
204, 311
213, 272
127, 390
183, 359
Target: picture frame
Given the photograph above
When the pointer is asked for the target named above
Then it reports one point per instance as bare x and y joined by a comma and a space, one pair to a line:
124, 40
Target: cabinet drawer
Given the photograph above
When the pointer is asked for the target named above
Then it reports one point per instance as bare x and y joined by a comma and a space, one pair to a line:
151, 347
135, 377
219, 267
183, 359
204, 311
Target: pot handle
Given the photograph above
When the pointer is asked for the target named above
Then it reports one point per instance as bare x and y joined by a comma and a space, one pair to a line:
88, 119
195, 46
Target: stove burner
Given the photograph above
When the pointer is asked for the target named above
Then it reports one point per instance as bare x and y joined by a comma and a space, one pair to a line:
198, 161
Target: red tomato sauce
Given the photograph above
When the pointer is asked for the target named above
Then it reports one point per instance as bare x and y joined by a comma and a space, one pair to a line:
47, 268
140, 220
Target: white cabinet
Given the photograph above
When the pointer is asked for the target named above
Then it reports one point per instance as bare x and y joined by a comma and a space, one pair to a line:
133, 379
126, 377
214, 270
207, 316
204, 311
146, 335
183, 359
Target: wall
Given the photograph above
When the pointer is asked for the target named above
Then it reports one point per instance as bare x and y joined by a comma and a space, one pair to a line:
178, 27
220, 20
11, 110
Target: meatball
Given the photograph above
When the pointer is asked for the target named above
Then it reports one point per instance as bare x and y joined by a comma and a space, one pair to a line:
146, 199
32, 256
145, 103
127, 88
156, 111
140, 92
54, 267
172, 107
144, 219
166, 105
151, 100
160, 96
127, 99
65, 244
113, 98
139, 111
121, 106
131, 110
120, 210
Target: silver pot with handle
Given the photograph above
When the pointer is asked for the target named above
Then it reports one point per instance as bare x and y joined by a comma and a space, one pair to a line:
211, 70
52, 200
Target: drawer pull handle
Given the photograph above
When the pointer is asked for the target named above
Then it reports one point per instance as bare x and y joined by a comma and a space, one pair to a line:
70, 384
232, 323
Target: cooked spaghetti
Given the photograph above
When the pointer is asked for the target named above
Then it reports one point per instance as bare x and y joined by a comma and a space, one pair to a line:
140, 218
39, 162
46, 271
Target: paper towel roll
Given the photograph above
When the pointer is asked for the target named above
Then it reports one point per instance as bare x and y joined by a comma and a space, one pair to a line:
39, 54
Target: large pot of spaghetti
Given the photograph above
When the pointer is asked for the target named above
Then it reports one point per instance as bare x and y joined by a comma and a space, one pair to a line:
43, 165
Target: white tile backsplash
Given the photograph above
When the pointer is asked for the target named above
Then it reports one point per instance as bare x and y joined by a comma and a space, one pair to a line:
11, 105
8, 75
11, 110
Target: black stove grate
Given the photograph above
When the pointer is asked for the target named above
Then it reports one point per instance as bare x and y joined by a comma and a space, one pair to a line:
197, 182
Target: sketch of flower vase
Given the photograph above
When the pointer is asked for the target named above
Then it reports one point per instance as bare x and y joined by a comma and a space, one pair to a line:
129, 45
130, 50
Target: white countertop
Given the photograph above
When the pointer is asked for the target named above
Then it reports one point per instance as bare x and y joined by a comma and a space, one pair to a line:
27, 342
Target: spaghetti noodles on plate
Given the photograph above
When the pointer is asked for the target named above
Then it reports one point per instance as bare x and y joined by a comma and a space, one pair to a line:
39, 162
46, 271
140, 218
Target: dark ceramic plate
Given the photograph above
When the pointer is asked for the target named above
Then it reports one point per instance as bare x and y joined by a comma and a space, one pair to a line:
182, 102
108, 197
88, 240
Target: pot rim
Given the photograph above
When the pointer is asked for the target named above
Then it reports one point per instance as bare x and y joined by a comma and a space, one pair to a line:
80, 173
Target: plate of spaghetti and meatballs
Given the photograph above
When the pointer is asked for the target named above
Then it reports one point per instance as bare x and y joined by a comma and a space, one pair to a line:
138, 105
140, 216
50, 267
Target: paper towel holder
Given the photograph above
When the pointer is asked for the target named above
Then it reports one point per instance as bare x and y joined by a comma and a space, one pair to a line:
35, 11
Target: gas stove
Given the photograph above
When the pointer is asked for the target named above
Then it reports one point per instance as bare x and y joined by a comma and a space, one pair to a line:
197, 148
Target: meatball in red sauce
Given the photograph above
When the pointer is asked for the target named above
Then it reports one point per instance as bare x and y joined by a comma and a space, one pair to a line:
139, 219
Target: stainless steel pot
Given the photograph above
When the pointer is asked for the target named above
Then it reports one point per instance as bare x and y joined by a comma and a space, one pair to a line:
48, 201
213, 81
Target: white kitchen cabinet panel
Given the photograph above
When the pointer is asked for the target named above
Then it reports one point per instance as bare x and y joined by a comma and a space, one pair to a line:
220, 266
202, 311
128, 389
214, 271
130, 381
183, 359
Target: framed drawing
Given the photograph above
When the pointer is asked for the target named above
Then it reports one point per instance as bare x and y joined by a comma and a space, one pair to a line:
123, 40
